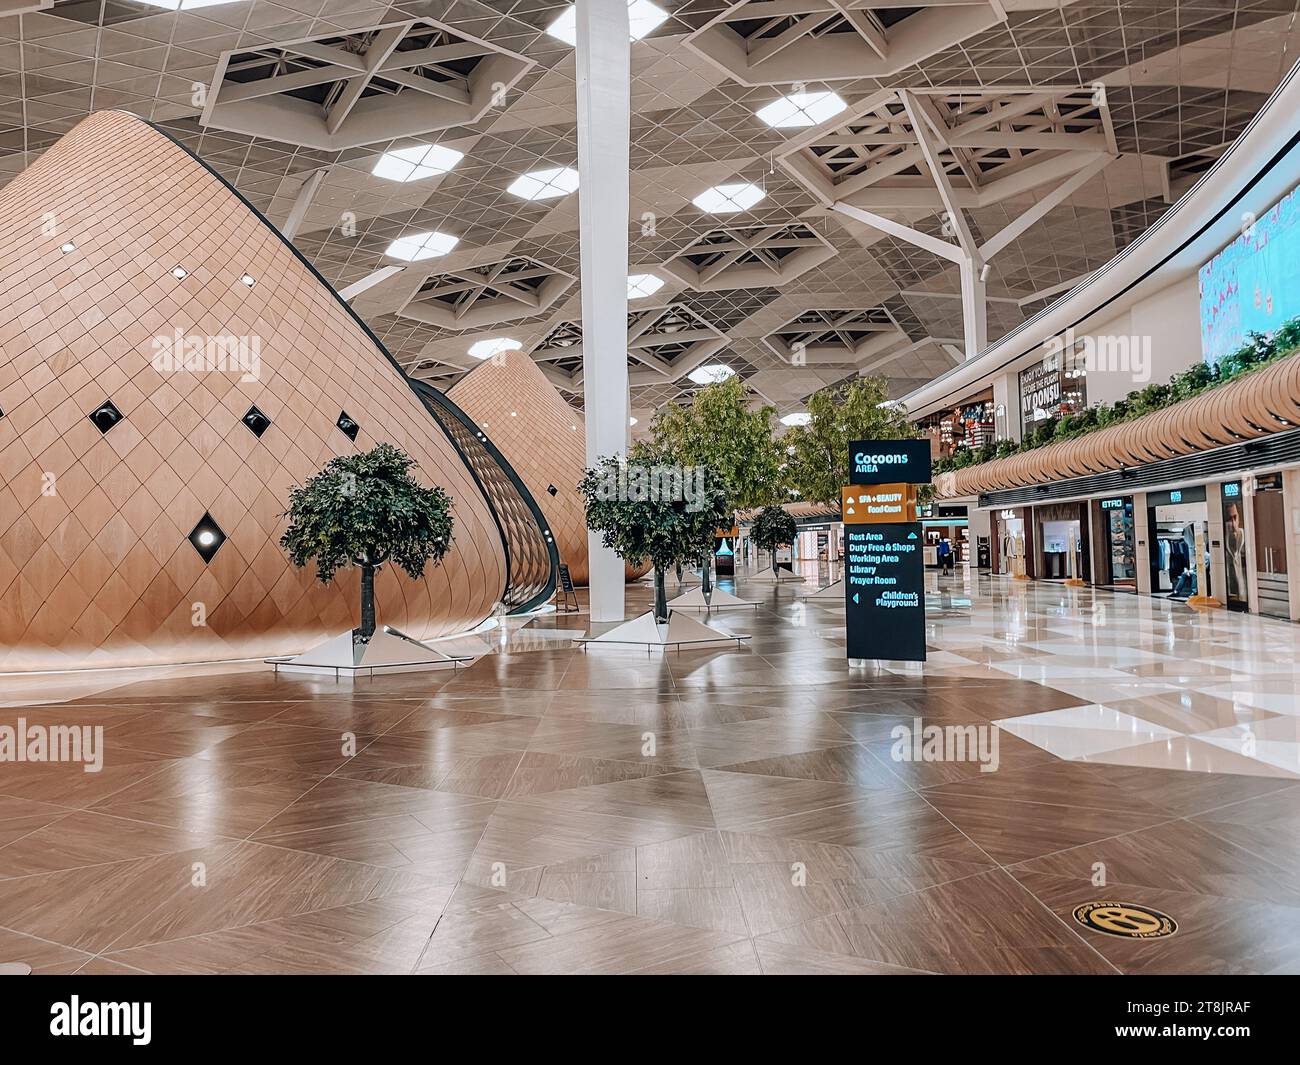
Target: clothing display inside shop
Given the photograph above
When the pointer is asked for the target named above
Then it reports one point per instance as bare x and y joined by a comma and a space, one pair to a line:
1120, 546
1176, 544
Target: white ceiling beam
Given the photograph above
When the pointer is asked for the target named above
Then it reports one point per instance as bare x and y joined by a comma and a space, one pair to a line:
964, 236
1053, 199
939, 247
236, 92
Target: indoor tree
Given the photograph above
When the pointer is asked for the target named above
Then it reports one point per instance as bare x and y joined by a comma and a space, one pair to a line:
364, 511
817, 462
725, 427
772, 527
642, 514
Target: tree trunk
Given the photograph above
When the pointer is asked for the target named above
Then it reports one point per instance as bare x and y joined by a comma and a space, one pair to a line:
707, 576
775, 571
661, 597
679, 573
367, 602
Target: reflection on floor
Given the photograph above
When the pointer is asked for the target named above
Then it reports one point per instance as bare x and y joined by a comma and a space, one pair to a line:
551, 809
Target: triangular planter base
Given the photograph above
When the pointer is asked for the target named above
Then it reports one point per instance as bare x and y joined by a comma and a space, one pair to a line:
386, 652
766, 576
682, 630
689, 576
694, 600
831, 591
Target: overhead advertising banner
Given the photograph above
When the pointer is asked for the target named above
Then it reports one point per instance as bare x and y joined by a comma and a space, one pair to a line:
889, 461
884, 591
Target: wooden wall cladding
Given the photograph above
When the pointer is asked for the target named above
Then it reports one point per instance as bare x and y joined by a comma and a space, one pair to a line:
543, 439
1263, 401
96, 567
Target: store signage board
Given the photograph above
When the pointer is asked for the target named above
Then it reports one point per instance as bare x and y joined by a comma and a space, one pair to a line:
1113, 504
861, 504
889, 461
884, 591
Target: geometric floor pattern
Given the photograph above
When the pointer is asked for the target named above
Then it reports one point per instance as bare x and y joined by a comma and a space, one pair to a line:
555, 810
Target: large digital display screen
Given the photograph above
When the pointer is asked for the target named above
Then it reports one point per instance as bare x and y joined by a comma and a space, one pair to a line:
1253, 285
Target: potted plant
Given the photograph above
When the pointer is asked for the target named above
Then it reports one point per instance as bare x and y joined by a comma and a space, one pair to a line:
634, 506
364, 511
722, 427
772, 528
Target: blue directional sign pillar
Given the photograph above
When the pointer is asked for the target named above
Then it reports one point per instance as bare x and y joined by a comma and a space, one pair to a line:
884, 572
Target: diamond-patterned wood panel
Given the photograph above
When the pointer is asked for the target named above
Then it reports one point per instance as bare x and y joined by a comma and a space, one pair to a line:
117, 236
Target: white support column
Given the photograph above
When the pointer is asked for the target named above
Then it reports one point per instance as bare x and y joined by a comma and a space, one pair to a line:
604, 82
975, 310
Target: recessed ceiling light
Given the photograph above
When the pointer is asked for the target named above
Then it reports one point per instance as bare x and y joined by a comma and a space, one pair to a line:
727, 199
797, 418
545, 184
413, 164
802, 109
485, 349
249, 280
180, 273
641, 285
642, 15
711, 374
65, 248
421, 246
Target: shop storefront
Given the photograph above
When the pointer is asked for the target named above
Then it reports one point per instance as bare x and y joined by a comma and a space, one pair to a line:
1012, 541
941, 522
1062, 539
1116, 557
1178, 529
1269, 521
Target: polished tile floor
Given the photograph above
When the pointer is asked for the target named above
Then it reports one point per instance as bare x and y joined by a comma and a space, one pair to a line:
555, 810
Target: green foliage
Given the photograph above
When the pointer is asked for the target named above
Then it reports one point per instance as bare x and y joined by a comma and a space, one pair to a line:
818, 453
1259, 350
719, 429
651, 525
365, 510
773, 527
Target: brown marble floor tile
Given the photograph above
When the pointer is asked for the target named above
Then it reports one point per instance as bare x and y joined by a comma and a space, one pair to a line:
677, 799
45, 957
67, 783
83, 838
845, 764
983, 924
781, 959
228, 800
1178, 856
541, 773
378, 936
155, 899
1012, 831
747, 741
618, 742
1213, 938
621, 945
742, 800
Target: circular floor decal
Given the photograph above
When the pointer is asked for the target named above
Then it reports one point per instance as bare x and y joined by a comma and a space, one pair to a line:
1126, 919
